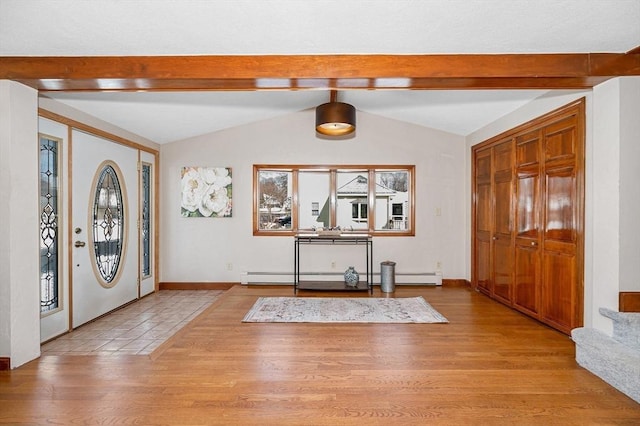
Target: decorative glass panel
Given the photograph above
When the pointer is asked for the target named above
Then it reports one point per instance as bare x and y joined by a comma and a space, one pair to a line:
145, 226
392, 200
108, 223
274, 198
49, 272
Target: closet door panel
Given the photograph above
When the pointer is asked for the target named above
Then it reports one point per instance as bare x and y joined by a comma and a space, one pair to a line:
526, 288
502, 261
502, 245
527, 242
561, 140
558, 296
483, 238
560, 200
483, 221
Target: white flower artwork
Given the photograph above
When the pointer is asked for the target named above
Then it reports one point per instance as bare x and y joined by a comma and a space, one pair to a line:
206, 192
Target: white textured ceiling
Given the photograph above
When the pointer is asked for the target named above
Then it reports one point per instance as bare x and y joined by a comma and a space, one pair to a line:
243, 27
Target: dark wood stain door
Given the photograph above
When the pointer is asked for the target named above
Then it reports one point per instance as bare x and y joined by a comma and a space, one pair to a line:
502, 261
528, 218
483, 213
526, 295
562, 211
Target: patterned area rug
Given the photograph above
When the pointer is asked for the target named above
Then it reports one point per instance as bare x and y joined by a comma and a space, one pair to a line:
343, 309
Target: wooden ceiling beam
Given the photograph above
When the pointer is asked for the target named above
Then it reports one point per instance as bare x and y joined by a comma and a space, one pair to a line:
305, 72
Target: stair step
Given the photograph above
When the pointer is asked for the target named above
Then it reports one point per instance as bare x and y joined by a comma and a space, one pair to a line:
626, 327
609, 359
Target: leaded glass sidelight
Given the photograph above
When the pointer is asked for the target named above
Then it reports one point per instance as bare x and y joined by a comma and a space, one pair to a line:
49, 182
146, 220
108, 223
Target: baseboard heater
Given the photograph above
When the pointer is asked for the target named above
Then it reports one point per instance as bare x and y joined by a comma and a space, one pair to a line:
402, 278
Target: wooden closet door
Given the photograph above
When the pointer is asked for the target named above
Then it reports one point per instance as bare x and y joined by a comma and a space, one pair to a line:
483, 215
561, 298
502, 244
526, 294
528, 218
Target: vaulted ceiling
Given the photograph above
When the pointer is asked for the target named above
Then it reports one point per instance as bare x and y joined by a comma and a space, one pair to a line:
171, 69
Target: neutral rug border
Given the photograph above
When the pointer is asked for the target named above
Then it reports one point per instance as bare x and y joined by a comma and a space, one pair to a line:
438, 318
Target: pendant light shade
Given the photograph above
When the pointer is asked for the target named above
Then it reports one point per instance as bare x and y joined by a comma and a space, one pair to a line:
335, 118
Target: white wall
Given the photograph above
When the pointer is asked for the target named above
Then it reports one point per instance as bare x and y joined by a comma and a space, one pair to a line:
629, 184
19, 224
199, 249
616, 198
605, 203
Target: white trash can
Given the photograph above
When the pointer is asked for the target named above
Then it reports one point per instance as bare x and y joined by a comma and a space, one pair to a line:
388, 276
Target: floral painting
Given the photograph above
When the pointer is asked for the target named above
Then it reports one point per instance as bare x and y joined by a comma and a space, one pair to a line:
206, 192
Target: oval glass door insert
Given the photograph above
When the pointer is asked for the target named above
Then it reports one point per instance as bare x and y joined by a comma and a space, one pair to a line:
108, 224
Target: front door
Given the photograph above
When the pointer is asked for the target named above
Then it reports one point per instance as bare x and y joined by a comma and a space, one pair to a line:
104, 271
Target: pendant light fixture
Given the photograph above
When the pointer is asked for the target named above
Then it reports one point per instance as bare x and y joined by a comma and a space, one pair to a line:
335, 118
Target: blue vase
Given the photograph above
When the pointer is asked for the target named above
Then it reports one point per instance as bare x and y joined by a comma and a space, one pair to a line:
351, 277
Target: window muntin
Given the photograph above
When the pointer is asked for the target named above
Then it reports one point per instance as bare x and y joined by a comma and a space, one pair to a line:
49, 224
378, 200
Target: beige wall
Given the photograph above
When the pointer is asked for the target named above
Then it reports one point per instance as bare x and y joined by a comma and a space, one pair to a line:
200, 249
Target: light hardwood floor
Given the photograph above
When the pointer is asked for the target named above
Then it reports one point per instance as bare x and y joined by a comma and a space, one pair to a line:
489, 366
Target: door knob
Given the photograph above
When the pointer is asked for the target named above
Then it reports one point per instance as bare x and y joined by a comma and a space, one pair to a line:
79, 244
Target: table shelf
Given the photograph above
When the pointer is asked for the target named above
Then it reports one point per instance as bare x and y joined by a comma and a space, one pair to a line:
363, 240
331, 286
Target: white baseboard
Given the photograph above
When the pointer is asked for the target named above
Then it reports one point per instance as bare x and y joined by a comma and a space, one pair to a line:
402, 278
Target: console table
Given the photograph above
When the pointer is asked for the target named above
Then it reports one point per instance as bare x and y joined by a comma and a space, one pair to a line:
362, 240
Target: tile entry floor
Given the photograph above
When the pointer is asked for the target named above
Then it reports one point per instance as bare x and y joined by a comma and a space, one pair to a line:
136, 329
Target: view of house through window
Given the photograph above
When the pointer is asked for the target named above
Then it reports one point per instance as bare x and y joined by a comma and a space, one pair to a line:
314, 189
392, 199
373, 199
352, 200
